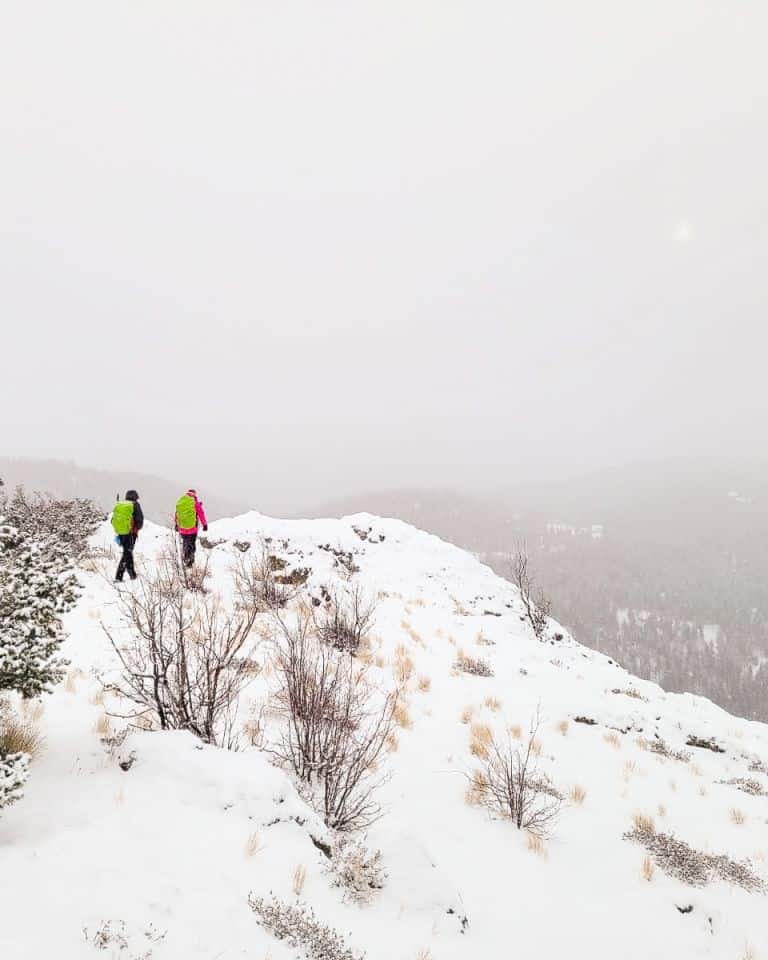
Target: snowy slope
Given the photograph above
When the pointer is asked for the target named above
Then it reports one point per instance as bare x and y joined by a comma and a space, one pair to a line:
160, 851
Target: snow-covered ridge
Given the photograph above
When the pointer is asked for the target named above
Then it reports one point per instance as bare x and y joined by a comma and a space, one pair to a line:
175, 844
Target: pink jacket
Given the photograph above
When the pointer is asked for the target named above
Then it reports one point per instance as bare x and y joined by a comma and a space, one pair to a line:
200, 516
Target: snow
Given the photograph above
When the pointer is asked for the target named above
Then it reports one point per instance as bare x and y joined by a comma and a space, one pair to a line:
160, 850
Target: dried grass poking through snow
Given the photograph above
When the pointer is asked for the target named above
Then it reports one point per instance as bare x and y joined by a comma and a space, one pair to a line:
19, 735
253, 845
299, 879
577, 795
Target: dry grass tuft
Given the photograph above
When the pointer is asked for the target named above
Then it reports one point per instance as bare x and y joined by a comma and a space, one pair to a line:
425, 684
749, 952
647, 869
425, 954
644, 823
393, 744
536, 844
477, 789
33, 710
661, 810
299, 879
253, 845
103, 726
737, 816
577, 795
516, 731
402, 717
612, 739
70, 681
480, 738
474, 666
403, 669
380, 662
19, 735
630, 768
466, 714
562, 727
703, 792
493, 704
97, 699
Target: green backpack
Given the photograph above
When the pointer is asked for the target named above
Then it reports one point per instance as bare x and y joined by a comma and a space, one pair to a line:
186, 515
122, 517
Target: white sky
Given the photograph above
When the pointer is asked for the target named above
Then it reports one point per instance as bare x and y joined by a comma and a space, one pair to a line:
294, 250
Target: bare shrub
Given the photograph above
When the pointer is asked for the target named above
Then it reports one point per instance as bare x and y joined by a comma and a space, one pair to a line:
182, 658
357, 871
299, 928
335, 724
475, 666
263, 581
514, 788
345, 619
536, 605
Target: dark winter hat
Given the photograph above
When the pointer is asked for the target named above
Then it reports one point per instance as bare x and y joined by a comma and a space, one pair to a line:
132, 495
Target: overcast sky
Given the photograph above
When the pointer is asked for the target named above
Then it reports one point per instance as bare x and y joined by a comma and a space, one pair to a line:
293, 250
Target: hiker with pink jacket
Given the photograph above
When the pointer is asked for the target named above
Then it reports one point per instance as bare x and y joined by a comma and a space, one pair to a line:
190, 515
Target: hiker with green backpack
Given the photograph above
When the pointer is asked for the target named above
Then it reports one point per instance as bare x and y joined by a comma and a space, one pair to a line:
127, 520
189, 516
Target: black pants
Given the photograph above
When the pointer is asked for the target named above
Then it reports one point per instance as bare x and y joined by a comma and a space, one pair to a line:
188, 544
127, 542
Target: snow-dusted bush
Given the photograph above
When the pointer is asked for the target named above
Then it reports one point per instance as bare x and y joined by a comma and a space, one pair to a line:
660, 746
345, 619
357, 871
747, 785
14, 770
335, 724
475, 666
36, 585
264, 581
113, 935
677, 859
299, 928
509, 784
41, 518
184, 658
